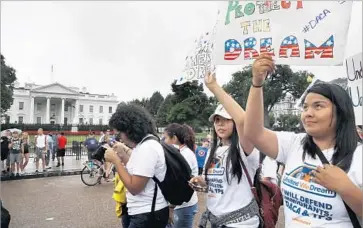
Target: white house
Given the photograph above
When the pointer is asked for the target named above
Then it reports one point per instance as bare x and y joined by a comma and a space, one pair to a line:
285, 106
59, 104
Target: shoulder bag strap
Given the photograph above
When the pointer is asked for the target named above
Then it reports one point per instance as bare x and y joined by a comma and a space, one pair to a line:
352, 215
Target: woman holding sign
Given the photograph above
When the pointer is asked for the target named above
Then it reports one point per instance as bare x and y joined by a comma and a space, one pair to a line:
230, 202
322, 179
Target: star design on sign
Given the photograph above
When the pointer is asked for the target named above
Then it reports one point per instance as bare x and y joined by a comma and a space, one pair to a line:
285, 42
233, 45
307, 43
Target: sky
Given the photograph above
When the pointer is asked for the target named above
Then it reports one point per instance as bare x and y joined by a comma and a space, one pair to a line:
130, 49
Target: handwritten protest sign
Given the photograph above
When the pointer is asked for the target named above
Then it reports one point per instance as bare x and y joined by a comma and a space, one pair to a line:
353, 66
293, 32
199, 60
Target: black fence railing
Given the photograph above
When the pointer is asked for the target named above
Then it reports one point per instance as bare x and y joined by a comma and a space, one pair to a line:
54, 127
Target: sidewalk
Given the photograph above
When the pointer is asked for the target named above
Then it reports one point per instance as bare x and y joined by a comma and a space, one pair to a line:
71, 167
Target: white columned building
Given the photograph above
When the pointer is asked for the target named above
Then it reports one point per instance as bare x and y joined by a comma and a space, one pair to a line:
59, 104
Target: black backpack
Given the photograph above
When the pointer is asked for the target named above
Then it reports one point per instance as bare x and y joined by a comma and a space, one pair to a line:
5, 217
175, 187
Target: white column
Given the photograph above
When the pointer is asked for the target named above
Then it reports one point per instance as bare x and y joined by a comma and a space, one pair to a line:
47, 112
31, 116
76, 112
62, 111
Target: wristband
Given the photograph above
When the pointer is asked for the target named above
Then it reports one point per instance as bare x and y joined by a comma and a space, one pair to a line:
254, 86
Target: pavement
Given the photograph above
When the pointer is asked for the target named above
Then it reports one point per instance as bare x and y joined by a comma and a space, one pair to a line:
71, 167
65, 202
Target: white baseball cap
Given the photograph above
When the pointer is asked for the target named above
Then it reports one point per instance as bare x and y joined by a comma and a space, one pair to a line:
220, 111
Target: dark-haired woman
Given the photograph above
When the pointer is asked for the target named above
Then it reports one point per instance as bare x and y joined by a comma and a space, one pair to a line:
313, 192
134, 125
183, 136
230, 202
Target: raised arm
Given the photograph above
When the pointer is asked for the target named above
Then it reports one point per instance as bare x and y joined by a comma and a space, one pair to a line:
263, 139
232, 107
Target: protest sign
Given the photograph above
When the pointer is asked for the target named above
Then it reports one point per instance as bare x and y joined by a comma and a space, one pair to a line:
353, 66
293, 32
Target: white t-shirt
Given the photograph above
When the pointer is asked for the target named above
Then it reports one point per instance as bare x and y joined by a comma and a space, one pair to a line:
192, 161
269, 169
41, 140
307, 204
147, 160
223, 198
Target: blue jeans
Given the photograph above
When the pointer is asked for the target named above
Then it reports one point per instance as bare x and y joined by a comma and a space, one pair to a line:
183, 217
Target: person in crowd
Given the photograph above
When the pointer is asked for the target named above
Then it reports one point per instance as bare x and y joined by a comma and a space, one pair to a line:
230, 201
55, 144
91, 144
133, 123
201, 154
313, 192
49, 150
4, 151
15, 153
61, 152
41, 147
184, 137
102, 134
10, 136
25, 144
107, 166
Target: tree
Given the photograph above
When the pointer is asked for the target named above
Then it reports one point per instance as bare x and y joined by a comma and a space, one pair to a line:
8, 77
287, 122
283, 81
161, 116
155, 103
186, 90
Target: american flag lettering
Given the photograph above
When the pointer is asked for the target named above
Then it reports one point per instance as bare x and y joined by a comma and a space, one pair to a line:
265, 46
289, 42
232, 49
249, 45
326, 49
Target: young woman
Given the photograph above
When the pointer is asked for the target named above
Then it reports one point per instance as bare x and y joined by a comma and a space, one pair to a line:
230, 202
183, 136
25, 150
313, 192
135, 124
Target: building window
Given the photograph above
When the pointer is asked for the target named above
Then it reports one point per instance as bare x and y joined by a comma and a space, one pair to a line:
91, 121
80, 108
52, 107
101, 109
65, 120
66, 108
39, 106
20, 119
80, 120
100, 121
39, 120
7, 119
91, 108
21, 105
110, 109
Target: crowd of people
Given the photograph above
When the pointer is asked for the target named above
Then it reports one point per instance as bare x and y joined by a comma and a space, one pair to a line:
15, 151
322, 176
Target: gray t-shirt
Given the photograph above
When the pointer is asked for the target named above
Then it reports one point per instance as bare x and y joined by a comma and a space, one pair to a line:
15, 149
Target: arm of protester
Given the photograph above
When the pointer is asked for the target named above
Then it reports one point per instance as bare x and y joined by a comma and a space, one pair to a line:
263, 139
232, 107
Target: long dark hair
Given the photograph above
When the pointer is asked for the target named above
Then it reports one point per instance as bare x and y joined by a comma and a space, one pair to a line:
184, 134
233, 158
346, 136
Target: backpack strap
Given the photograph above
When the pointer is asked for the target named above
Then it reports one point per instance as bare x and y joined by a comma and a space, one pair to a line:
154, 197
352, 215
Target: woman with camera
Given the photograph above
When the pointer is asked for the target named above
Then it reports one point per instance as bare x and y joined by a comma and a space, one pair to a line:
134, 124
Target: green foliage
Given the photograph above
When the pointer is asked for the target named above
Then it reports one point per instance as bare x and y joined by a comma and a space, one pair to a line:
8, 77
287, 122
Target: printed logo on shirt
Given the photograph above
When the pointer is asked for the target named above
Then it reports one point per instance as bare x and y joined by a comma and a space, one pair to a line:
215, 176
304, 197
201, 153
